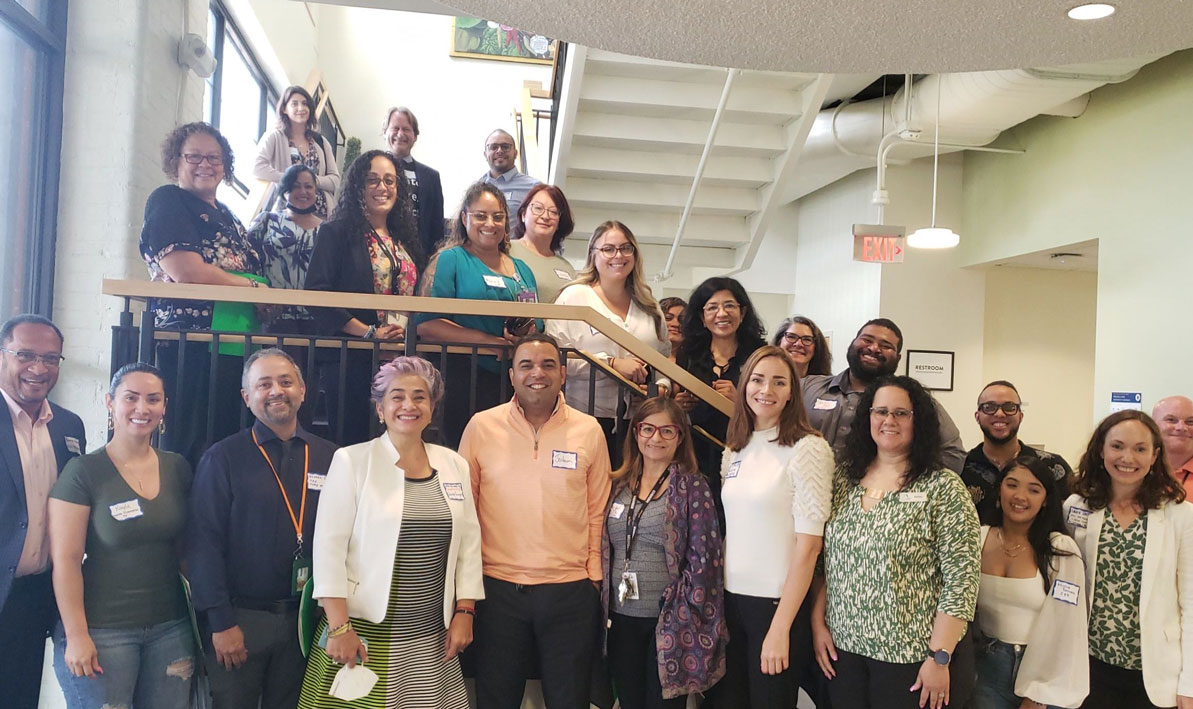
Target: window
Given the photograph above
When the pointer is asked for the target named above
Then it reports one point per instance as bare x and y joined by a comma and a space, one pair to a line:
239, 101
32, 63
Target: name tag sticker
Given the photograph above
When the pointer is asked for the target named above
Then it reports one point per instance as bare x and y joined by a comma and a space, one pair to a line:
913, 496
454, 491
564, 459
72, 445
126, 510
1065, 591
315, 481
616, 510
825, 404
733, 468
494, 281
1078, 517
563, 275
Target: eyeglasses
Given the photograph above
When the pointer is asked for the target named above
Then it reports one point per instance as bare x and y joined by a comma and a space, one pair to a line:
647, 430
990, 408
539, 210
373, 181
29, 357
881, 412
482, 217
729, 307
499, 147
609, 251
806, 340
197, 159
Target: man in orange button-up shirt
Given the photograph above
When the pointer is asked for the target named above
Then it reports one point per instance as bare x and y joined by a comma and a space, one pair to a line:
540, 476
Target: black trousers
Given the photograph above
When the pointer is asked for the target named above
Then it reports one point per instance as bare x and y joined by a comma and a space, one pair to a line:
28, 616
866, 683
559, 619
614, 439
634, 664
271, 676
355, 412
1112, 687
461, 386
744, 684
191, 398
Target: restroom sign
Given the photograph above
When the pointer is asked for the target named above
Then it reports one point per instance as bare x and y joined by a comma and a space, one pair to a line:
876, 243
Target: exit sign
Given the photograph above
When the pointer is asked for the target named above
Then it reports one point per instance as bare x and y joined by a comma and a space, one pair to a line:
874, 243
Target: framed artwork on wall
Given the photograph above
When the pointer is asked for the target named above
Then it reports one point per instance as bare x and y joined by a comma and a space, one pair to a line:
475, 38
932, 368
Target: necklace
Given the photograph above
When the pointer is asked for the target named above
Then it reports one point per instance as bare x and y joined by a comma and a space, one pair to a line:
873, 493
1012, 551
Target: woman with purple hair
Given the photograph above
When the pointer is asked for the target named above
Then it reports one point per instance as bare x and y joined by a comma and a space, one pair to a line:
397, 556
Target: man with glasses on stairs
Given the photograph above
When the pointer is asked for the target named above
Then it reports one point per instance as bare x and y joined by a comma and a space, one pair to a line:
501, 152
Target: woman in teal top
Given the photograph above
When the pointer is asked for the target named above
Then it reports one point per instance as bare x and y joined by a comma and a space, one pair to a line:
125, 637
475, 264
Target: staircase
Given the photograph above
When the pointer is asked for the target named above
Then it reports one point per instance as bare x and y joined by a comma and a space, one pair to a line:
629, 138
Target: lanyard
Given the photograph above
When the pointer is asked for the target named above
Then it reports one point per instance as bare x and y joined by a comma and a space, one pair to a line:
302, 509
634, 515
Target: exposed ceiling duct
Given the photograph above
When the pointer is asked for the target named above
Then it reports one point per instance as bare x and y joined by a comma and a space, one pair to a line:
975, 108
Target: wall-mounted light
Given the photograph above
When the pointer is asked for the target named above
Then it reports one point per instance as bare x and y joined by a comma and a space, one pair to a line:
1091, 11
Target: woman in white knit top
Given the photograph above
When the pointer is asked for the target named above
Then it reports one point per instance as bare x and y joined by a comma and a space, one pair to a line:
1032, 599
777, 481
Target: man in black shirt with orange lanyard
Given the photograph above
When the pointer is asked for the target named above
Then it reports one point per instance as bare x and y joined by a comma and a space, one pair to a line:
248, 543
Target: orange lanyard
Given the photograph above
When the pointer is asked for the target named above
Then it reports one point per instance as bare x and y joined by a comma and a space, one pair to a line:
302, 508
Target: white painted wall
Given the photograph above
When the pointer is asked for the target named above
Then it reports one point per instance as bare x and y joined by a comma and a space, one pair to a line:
1119, 173
1039, 335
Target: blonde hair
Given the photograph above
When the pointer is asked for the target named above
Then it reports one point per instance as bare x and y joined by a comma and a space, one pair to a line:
636, 284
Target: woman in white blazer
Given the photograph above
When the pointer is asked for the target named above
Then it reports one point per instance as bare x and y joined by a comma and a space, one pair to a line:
1135, 531
397, 556
1033, 647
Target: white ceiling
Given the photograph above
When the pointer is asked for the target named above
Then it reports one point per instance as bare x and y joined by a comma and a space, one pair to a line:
1081, 256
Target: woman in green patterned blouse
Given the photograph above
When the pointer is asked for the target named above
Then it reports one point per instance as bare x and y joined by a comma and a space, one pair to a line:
1135, 531
901, 561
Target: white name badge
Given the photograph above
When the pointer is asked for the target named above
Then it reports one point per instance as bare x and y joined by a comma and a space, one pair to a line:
563, 275
616, 510
72, 445
913, 496
1065, 591
315, 481
495, 281
734, 467
126, 510
825, 404
1077, 517
454, 491
564, 459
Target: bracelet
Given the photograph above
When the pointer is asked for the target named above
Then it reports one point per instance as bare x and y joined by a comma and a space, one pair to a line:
466, 611
370, 332
252, 283
340, 630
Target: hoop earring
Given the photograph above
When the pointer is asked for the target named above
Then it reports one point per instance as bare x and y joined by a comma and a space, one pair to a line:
161, 427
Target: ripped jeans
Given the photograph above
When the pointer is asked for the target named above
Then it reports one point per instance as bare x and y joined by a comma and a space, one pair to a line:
143, 667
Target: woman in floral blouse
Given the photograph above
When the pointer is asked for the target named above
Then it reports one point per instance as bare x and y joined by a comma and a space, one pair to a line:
285, 240
191, 237
1135, 531
901, 561
370, 245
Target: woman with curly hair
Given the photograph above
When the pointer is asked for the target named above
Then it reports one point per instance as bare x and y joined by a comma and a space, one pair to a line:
191, 237
806, 344
295, 140
370, 245
1128, 516
901, 561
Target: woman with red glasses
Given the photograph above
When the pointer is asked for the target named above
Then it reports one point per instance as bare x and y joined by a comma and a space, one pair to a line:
661, 553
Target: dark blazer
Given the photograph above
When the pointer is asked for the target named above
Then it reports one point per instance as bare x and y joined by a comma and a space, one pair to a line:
430, 207
14, 514
340, 263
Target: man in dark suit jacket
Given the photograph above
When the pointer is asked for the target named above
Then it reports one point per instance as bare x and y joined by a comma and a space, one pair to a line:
401, 131
37, 438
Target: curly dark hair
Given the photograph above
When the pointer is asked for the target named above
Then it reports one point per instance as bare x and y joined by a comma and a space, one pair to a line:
1049, 519
458, 234
697, 339
924, 457
1093, 480
822, 358
350, 207
563, 229
175, 139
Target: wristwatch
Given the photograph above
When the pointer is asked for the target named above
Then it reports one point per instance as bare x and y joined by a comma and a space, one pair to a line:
941, 657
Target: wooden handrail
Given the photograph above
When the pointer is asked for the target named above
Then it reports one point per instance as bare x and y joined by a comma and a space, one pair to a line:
142, 290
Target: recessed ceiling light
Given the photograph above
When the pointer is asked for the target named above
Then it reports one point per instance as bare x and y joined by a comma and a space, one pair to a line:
1091, 11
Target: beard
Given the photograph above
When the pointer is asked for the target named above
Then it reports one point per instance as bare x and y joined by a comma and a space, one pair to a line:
867, 373
991, 436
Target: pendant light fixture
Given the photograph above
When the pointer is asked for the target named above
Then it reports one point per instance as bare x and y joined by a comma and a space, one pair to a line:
934, 237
